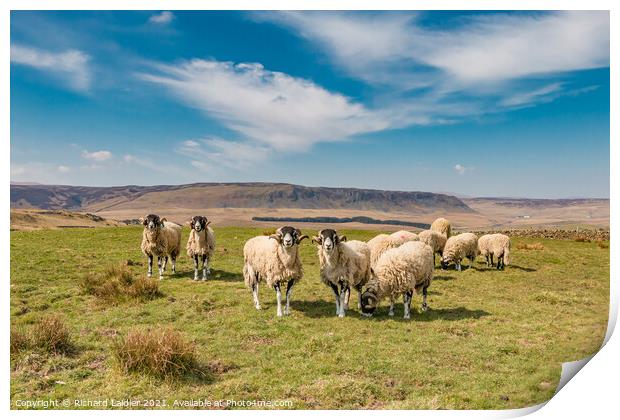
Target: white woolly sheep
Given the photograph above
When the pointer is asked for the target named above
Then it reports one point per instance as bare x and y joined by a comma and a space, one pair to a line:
495, 244
435, 240
200, 244
344, 264
275, 260
161, 239
401, 270
442, 225
382, 242
458, 247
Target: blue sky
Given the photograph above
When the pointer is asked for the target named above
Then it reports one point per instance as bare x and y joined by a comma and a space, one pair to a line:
474, 103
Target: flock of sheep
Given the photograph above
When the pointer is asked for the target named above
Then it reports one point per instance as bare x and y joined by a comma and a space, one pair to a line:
388, 266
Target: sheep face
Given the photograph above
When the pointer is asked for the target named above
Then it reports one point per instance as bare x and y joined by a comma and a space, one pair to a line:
288, 236
328, 239
369, 303
199, 223
445, 261
152, 221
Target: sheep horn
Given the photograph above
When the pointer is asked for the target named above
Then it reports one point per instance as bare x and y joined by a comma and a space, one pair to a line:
317, 240
342, 238
302, 237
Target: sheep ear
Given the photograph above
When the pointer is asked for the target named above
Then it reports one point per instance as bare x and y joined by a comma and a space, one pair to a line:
317, 240
302, 237
208, 223
163, 219
342, 238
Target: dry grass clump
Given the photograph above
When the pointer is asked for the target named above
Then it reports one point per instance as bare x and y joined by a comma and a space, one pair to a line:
117, 283
19, 341
536, 246
162, 353
582, 239
52, 334
602, 244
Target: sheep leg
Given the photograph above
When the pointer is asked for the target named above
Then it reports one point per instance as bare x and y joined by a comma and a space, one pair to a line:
289, 289
407, 304
337, 295
347, 295
254, 294
424, 295
458, 265
491, 258
343, 294
159, 267
173, 259
195, 267
359, 297
391, 312
500, 262
278, 299
150, 270
205, 262
163, 268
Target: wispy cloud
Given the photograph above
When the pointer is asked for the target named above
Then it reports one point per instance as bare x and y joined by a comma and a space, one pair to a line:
462, 169
97, 156
162, 18
209, 154
71, 66
268, 110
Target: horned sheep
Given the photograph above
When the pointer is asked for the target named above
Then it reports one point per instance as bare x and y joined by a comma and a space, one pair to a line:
495, 244
200, 244
343, 264
275, 260
458, 247
401, 270
161, 239
442, 225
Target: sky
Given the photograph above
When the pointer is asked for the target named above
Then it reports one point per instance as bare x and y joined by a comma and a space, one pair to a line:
510, 104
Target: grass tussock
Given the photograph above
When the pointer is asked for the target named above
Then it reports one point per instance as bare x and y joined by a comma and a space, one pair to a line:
582, 239
536, 246
602, 244
117, 283
19, 341
163, 353
51, 334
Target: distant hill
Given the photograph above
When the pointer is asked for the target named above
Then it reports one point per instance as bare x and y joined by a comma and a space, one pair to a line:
234, 195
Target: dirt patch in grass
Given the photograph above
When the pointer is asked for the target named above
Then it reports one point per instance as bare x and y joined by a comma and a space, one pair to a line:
162, 353
116, 284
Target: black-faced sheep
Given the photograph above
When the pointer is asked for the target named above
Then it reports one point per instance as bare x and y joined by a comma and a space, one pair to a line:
458, 247
436, 240
401, 270
273, 259
344, 264
495, 244
161, 239
443, 226
200, 244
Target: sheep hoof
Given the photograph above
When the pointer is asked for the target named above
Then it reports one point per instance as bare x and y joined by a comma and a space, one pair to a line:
149, 275
161, 277
424, 307
406, 317
366, 315
204, 278
390, 313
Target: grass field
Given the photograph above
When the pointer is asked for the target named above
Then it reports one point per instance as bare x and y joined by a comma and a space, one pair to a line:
490, 339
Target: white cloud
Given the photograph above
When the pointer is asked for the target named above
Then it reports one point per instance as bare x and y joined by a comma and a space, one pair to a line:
98, 156
72, 66
461, 169
162, 18
267, 108
212, 153
64, 169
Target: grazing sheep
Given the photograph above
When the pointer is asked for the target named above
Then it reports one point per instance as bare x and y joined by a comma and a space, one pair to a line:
161, 239
458, 247
344, 264
442, 225
275, 260
435, 240
382, 242
200, 244
405, 269
495, 244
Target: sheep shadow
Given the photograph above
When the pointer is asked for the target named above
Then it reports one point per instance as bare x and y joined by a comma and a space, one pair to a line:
320, 308
220, 275
443, 278
448, 314
526, 269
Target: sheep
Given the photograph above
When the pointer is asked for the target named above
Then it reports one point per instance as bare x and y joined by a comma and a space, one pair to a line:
405, 269
496, 244
161, 239
442, 225
458, 247
344, 264
201, 243
434, 239
382, 242
274, 259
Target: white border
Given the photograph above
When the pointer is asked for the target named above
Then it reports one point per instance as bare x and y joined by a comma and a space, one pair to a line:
592, 394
